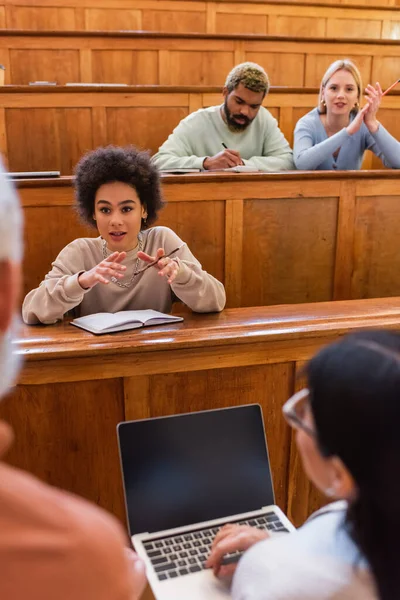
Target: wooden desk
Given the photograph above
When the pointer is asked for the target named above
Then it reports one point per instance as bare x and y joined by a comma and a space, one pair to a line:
274, 17
184, 59
49, 128
74, 387
271, 238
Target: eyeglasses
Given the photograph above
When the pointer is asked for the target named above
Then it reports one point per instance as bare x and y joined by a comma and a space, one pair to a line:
294, 410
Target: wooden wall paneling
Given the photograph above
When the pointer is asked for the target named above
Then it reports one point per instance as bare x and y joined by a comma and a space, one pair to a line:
316, 65
297, 26
85, 65
303, 497
52, 18
137, 398
234, 251
387, 116
385, 69
268, 385
237, 22
58, 65
144, 127
286, 69
293, 262
33, 124
3, 18
198, 67
75, 130
352, 28
132, 67
113, 19
202, 226
43, 246
61, 439
100, 136
344, 259
391, 29
211, 17
3, 138
173, 21
376, 236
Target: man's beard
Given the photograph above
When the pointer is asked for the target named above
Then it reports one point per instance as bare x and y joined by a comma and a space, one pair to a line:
9, 361
230, 119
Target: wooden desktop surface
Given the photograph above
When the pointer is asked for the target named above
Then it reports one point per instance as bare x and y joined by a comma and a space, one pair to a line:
75, 387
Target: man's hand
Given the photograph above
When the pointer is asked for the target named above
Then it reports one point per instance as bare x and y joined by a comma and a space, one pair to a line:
102, 273
223, 160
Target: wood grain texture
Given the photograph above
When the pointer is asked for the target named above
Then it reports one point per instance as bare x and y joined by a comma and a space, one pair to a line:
77, 119
66, 406
134, 58
344, 19
314, 236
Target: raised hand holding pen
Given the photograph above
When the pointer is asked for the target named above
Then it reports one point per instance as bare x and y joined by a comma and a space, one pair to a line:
225, 159
168, 267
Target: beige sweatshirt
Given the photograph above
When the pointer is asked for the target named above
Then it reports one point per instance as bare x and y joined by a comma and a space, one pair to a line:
61, 292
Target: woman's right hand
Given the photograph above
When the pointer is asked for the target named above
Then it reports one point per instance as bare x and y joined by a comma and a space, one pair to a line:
357, 121
102, 273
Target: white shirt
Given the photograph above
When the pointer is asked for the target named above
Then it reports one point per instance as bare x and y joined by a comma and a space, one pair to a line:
319, 561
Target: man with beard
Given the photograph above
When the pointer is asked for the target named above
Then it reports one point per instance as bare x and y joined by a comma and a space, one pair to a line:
241, 132
52, 545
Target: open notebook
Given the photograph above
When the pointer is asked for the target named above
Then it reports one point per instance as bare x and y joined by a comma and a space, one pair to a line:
125, 319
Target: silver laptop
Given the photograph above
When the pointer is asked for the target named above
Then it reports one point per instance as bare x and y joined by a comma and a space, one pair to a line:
184, 477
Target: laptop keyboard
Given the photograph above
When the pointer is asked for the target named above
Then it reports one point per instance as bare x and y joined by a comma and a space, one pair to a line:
186, 553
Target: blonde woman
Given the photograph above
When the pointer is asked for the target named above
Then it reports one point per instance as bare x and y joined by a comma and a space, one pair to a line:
336, 134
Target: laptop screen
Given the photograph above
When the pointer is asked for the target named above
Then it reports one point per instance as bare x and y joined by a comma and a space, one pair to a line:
185, 469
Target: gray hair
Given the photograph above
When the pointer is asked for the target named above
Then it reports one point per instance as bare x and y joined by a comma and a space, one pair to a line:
10, 220
252, 76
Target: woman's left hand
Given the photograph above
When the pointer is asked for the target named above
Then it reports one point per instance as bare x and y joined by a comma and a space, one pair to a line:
232, 538
374, 97
168, 267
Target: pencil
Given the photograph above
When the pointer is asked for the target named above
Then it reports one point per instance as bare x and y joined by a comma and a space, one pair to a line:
391, 87
158, 259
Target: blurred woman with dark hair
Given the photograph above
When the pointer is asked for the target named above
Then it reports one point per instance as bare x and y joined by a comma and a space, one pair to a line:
347, 423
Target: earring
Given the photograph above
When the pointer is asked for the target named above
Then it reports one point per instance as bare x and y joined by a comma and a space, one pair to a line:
357, 104
330, 492
144, 220
323, 103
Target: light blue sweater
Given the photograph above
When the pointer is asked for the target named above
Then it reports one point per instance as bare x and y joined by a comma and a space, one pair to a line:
319, 561
313, 149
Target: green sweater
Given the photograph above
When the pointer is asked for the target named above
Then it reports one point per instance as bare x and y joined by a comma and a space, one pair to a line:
262, 145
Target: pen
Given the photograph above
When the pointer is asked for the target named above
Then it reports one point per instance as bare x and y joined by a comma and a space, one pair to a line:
224, 145
391, 87
158, 259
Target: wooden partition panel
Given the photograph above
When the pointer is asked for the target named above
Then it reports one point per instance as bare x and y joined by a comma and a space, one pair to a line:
272, 239
49, 128
186, 59
352, 19
65, 408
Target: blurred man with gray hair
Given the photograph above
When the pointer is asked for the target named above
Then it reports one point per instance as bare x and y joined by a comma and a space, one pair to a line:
240, 132
52, 545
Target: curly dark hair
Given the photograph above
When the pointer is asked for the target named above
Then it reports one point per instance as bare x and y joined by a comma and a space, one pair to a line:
113, 163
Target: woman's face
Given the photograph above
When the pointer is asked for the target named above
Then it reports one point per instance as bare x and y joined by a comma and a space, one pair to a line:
118, 214
340, 93
315, 465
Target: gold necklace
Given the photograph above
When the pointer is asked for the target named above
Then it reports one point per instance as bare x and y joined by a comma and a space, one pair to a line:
114, 279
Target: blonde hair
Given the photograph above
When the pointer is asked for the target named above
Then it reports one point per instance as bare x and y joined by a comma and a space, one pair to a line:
253, 77
340, 65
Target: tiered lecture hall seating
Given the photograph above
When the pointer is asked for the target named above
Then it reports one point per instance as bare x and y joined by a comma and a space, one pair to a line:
329, 239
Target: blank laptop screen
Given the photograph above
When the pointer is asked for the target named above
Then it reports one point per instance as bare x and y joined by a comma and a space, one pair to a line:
190, 468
